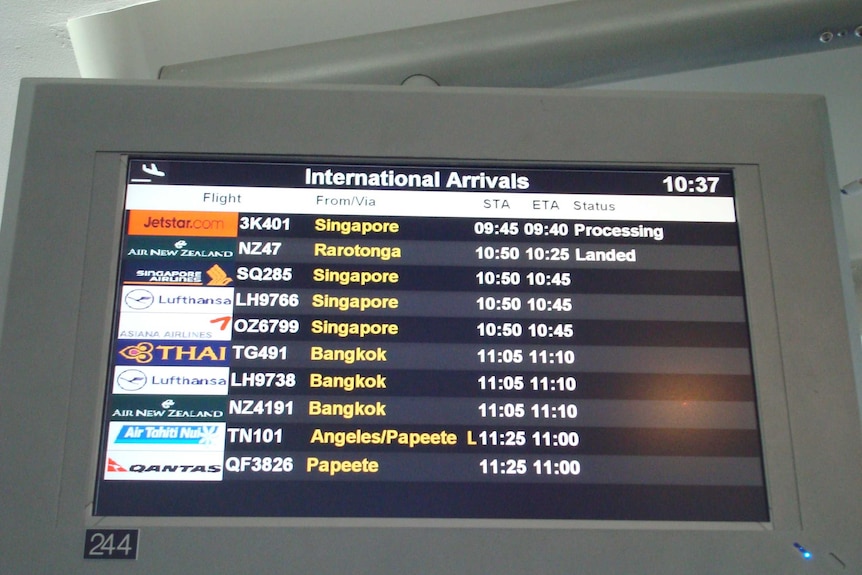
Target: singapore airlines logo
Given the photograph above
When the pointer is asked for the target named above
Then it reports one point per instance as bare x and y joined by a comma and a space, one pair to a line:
218, 277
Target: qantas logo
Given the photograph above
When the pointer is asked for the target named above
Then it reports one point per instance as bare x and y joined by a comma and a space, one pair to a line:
114, 467
160, 465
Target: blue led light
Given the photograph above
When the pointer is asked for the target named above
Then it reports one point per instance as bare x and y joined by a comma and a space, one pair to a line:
806, 554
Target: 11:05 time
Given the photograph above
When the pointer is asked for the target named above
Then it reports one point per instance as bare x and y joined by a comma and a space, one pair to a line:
565, 383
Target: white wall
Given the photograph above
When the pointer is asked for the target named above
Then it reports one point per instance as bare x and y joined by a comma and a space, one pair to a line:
835, 74
838, 76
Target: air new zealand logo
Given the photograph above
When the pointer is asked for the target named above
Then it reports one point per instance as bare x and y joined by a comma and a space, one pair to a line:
191, 248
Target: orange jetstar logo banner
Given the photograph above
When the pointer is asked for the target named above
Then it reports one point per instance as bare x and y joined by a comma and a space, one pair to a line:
166, 223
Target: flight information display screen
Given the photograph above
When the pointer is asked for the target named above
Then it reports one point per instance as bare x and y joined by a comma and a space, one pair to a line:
409, 340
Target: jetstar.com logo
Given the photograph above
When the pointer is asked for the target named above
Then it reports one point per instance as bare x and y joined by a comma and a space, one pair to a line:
170, 223
171, 353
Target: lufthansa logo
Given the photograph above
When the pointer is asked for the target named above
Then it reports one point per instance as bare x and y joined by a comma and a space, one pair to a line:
139, 299
131, 379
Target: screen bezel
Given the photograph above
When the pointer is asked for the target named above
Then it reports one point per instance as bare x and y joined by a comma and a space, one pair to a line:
777, 148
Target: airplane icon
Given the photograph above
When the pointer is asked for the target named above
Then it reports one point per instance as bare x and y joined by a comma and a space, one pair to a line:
152, 170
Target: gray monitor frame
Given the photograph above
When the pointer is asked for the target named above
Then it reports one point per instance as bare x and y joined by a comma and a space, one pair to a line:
58, 246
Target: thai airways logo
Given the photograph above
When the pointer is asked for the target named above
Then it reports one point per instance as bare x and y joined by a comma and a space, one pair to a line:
139, 352
202, 354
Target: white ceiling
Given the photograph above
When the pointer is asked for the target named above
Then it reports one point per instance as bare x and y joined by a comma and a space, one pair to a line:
35, 41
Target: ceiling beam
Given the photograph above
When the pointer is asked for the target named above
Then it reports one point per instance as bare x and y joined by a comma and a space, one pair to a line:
575, 43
